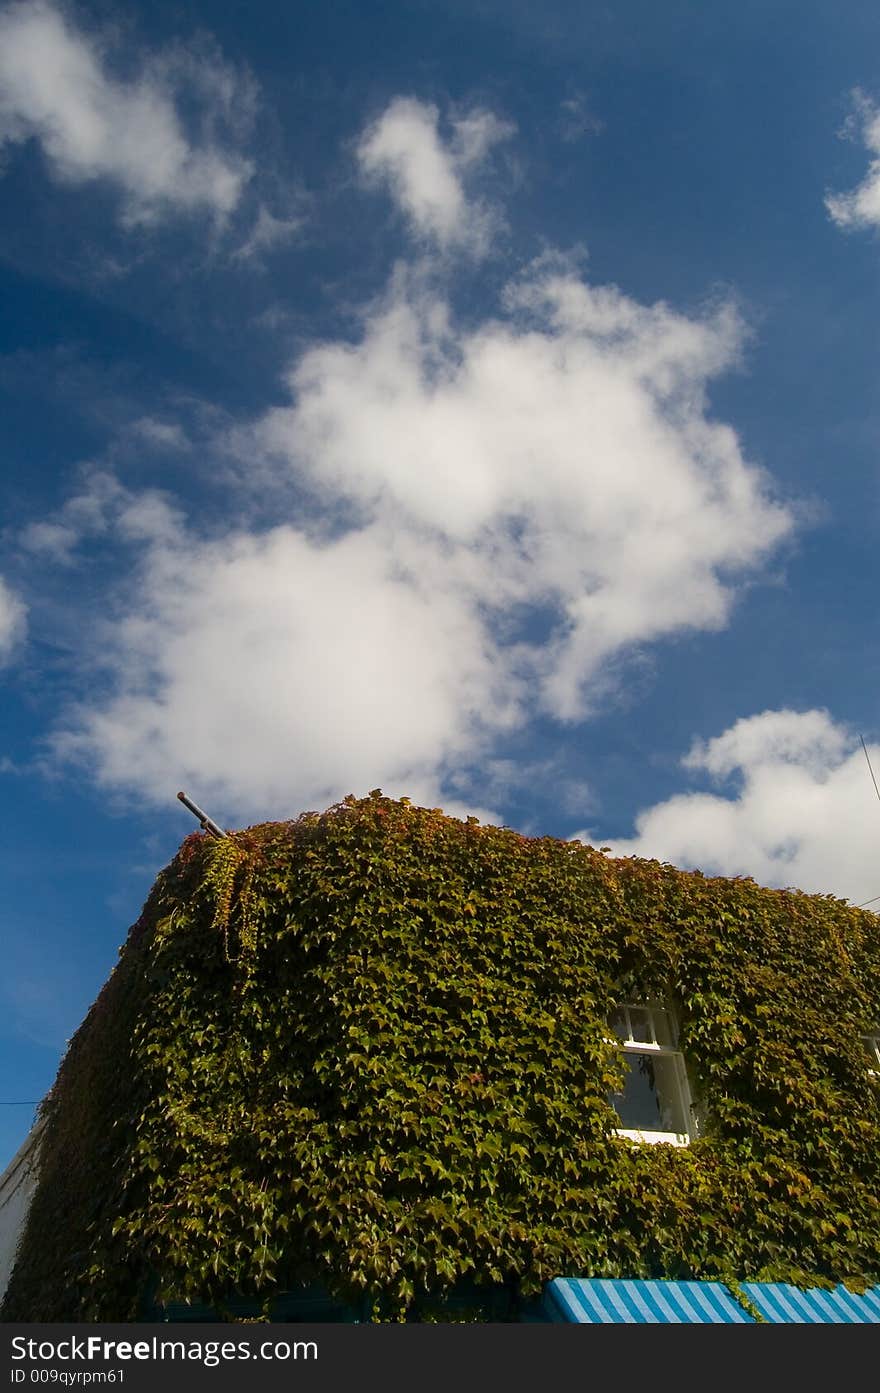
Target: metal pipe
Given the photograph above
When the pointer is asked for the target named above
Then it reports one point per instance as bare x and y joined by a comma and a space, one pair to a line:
208, 823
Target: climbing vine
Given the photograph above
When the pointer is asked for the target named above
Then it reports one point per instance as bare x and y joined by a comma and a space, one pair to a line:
229, 860
369, 1050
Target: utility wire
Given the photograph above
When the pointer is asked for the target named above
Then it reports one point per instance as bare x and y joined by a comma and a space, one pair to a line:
877, 791
27, 1103
874, 781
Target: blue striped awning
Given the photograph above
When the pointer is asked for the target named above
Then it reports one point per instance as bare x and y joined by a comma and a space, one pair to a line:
605, 1300
782, 1304
613, 1300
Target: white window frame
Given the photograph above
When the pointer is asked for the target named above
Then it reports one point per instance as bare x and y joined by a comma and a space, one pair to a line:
871, 1042
653, 1048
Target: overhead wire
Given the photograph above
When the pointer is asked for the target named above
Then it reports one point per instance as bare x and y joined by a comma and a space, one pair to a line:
877, 791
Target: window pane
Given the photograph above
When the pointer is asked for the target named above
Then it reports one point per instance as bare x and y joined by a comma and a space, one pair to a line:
664, 1028
640, 1024
619, 1024
650, 1099
872, 1045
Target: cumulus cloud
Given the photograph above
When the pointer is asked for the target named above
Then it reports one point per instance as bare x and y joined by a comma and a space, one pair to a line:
562, 454
13, 621
487, 519
426, 175
861, 207
271, 672
803, 812
56, 86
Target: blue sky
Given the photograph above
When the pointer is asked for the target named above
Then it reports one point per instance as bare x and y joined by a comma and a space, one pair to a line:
472, 400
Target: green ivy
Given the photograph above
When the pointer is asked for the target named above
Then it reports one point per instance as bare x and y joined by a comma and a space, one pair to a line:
368, 1050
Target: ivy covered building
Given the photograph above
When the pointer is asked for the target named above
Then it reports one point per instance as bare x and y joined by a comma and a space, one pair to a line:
407, 1067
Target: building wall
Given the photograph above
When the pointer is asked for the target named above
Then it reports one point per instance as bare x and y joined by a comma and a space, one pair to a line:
420, 1022
17, 1185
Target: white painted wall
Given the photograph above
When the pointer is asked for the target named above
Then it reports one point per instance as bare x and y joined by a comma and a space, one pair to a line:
17, 1185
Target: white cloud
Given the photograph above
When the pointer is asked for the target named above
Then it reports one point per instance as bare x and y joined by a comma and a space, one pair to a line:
517, 505
426, 175
13, 620
56, 86
84, 515
576, 119
164, 435
474, 134
563, 455
804, 813
808, 739
269, 672
267, 233
861, 207
52, 541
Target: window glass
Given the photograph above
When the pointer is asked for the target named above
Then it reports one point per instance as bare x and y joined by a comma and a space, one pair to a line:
664, 1028
650, 1100
619, 1024
640, 1025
